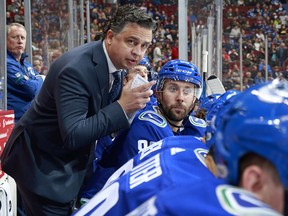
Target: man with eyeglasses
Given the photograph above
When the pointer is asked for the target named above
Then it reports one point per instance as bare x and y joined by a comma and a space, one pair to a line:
178, 87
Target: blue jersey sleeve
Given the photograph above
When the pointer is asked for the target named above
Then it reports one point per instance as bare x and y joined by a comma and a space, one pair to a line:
22, 80
23, 84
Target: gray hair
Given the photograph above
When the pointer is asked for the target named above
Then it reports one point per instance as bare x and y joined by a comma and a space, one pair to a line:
8, 28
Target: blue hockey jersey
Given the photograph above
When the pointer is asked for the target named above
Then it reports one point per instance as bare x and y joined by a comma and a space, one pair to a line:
172, 181
147, 128
23, 85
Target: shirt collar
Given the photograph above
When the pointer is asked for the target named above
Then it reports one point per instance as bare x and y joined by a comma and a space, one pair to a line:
111, 66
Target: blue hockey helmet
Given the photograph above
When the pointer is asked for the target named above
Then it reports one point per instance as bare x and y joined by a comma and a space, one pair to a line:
179, 70
208, 101
145, 61
214, 112
256, 122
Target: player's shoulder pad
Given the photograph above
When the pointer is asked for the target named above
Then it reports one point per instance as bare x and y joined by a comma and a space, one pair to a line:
153, 117
198, 122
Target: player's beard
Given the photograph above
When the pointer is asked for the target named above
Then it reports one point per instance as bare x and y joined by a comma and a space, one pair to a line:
170, 113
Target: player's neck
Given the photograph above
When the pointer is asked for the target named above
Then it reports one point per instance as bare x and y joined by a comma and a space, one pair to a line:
175, 126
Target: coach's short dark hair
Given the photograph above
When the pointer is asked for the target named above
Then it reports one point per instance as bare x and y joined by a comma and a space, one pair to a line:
130, 14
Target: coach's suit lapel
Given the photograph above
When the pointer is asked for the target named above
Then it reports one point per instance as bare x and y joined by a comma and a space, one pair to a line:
102, 74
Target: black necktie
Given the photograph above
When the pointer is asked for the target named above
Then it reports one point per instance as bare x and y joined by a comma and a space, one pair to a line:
116, 87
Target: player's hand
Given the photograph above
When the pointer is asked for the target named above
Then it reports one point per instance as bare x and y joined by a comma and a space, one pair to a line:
132, 100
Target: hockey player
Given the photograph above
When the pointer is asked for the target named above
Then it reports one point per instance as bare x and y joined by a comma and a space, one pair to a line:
251, 155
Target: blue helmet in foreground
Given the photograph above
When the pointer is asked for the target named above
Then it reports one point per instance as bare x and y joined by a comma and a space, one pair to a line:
214, 113
208, 101
145, 62
179, 70
256, 122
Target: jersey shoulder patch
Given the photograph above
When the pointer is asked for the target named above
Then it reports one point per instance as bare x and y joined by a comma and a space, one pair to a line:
197, 122
153, 117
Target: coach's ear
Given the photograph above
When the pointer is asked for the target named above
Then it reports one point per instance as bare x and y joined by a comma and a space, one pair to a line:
109, 36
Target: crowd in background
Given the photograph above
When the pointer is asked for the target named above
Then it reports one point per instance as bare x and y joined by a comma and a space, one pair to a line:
253, 20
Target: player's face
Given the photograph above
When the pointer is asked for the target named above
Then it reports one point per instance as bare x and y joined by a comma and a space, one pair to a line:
128, 47
16, 41
139, 69
37, 65
177, 99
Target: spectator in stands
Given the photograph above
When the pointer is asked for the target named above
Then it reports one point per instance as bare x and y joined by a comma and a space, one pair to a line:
233, 55
50, 150
55, 55
283, 30
14, 6
23, 81
19, 16
226, 57
259, 78
175, 52
282, 55
40, 59
247, 80
277, 73
235, 31
37, 64
257, 44
277, 40
283, 17
9, 18
273, 56
229, 14
260, 35
285, 73
199, 26
157, 52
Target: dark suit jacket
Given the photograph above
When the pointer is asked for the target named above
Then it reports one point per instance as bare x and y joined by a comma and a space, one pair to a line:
49, 149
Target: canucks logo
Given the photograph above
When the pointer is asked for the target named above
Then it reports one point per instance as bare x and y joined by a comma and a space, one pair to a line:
237, 201
154, 118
